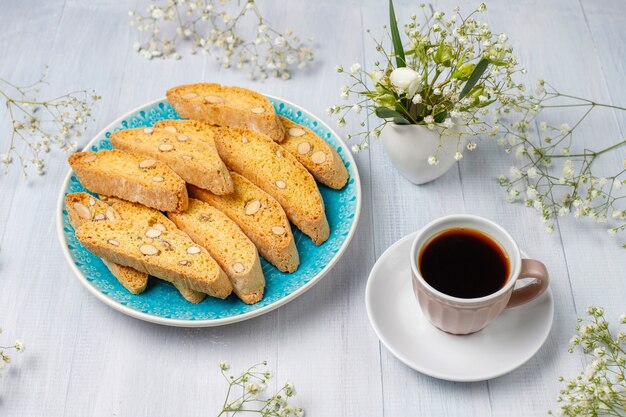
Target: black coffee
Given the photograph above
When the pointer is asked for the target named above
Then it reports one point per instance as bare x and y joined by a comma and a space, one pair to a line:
464, 263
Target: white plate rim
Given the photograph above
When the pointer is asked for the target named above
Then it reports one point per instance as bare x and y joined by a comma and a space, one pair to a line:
208, 322
440, 375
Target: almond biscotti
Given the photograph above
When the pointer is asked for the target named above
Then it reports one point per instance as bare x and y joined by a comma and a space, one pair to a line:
169, 255
140, 214
260, 217
321, 159
279, 174
227, 106
82, 208
227, 244
194, 160
131, 177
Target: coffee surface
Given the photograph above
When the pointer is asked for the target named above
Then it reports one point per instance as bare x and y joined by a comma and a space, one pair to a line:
464, 263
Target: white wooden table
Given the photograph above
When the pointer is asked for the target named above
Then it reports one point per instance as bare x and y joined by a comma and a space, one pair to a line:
85, 359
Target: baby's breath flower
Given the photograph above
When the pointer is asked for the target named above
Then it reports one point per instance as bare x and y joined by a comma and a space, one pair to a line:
458, 156
207, 27
433, 160
355, 68
37, 124
250, 385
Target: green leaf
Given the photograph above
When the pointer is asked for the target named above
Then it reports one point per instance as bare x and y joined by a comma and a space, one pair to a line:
440, 117
386, 113
473, 79
401, 121
395, 37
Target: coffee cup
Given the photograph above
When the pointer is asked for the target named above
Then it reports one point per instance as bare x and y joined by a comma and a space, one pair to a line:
457, 306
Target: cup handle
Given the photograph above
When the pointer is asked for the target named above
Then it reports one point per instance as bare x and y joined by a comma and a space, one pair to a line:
530, 269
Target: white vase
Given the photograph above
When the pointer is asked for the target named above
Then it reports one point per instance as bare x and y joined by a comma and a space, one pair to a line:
409, 147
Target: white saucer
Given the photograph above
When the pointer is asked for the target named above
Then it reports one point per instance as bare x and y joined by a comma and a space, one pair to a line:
507, 343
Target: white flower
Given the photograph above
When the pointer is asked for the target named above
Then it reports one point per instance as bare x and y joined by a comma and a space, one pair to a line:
448, 123
417, 99
376, 76
5, 158
157, 13
532, 172
429, 119
19, 346
344, 92
564, 129
406, 80
543, 126
563, 211
339, 68
471, 146
224, 366
432, 160
568, 171
515, 172
357, 109
355, 68
458, 156
531, 193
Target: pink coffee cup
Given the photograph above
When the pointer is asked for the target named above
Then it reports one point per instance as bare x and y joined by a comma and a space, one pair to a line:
468, 315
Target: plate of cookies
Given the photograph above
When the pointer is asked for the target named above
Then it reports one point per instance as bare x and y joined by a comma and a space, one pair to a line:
211, 206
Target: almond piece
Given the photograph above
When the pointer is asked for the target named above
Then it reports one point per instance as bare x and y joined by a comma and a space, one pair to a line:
281, 184
278, 230
110, 214
82, 211
147, 163
158, 226
148, 130
252, 207
279, 153
183, 138
184, 262
187, 157
170, 129
99, 217
166, 147
90, 158
193, 250
318, 157
303, 148
113, 242
238, 267
296, 132
257, 110
189, 96
214, 100
151, 232
148, 250
92, 202
157, 178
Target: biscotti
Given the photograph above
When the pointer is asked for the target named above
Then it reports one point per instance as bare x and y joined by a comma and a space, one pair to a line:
279, 174
321, 159
140, 214
82, 208
260, 217
227, 106
130, 177
227, 244
169, 255
194, 160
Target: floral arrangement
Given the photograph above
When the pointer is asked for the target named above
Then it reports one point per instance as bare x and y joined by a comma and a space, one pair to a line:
552, 176
244, 391
39, 124
206, 26
600, 390
449, 74
5, 359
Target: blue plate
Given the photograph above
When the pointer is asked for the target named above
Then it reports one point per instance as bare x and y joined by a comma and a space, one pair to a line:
161, 302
